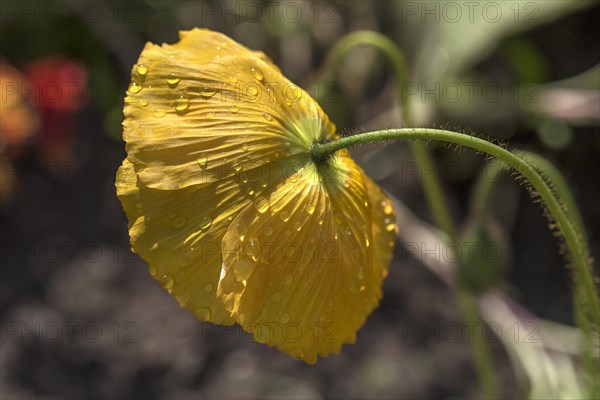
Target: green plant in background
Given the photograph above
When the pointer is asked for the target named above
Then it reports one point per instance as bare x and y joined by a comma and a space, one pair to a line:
475, 274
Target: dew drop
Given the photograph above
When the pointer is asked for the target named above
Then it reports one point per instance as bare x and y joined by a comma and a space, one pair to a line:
367, 243
208, 287
276, 297
154, 246
203, 313
360, 272
310, 210
172, 80
134, 88
167, 281
237, 166
158, 113
261, 204
387, 207
233, 79
284, 216
205, 222
257, 73
234, 109
208, 92
285, 318
288, 279
142, 69
298, 226
297, 354
252, 250
182, 104
267, 116
202, 161
338, 218
152, 270
390, 227
268, 231
245, 147
250, 192
143, 102
242, 270
179, 222
252, 91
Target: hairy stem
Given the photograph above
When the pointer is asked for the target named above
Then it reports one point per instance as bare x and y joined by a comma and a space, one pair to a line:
588, 295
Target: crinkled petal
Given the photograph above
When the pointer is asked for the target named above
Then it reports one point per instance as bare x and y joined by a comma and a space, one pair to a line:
206, 106
303, 269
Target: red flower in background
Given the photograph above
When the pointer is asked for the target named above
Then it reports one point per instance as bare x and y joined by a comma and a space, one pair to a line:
56, 86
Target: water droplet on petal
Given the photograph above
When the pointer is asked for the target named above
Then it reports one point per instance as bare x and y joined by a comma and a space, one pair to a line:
252, 91
234, 109
172, 80
134, 88
390, 227
143, 102
233, 79
182, 104
158, 113
284, 216
257, 73
202, 161
297, 354
154, 246
310, 209
203, 314
360, 272
268, 231
276, 297
152, 270
179, 222
261, 204
285, 318
245, 147
205, 222
208, 92
267, 116
338, 218
252, 249
142, 69
298, 226
387, 207
167, 281
236, 166
242, 270
208, 287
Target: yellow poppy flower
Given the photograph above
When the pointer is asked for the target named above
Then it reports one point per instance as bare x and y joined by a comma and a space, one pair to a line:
228, 208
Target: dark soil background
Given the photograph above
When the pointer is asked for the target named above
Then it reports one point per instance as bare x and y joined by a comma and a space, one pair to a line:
82, 318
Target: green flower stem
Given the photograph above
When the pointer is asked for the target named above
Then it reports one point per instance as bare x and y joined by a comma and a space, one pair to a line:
433, 192
481, 352
481, 203
484, 189
590, 304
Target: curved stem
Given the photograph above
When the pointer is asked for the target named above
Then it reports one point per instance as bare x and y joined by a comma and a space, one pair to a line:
481, 202
589, 297
433, 192
484, 188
